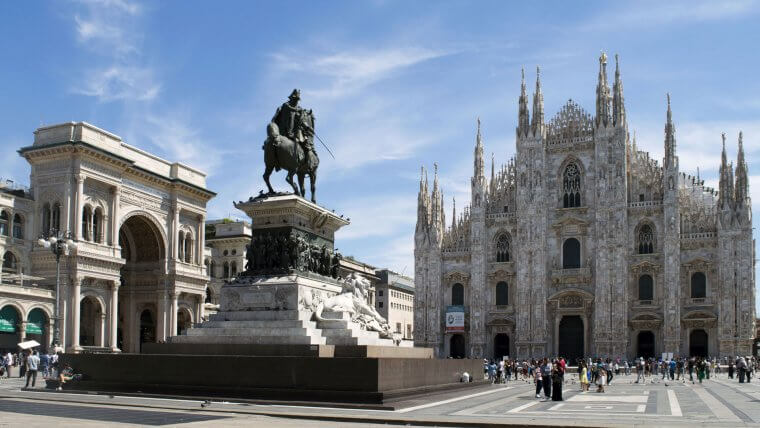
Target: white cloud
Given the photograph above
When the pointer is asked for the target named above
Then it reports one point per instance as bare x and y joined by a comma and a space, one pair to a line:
350, 71
120, 83
180, 142
110, 30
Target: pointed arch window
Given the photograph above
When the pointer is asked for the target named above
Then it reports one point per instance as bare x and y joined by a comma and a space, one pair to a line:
97, 225
646, 240
502, 248
233, 267
226, 270
10, 263
87, 223
571, 186
45, 219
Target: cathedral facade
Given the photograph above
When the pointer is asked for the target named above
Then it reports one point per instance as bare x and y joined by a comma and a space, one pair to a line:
583, 245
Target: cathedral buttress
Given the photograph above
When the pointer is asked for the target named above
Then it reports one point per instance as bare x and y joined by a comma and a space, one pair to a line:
479, 297
671, 247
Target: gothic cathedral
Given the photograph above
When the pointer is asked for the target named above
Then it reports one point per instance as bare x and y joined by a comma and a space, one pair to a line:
582, 245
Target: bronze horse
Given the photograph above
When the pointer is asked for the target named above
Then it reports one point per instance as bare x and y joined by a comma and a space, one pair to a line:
280, 152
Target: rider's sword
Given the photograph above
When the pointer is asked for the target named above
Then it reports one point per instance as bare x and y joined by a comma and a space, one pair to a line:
323, 143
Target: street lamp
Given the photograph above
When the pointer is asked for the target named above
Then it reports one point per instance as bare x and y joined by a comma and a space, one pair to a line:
60, 243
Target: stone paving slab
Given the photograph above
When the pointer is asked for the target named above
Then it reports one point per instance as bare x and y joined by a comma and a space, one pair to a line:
717, 402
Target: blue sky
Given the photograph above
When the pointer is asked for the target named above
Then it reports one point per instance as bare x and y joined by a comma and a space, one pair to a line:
393, 84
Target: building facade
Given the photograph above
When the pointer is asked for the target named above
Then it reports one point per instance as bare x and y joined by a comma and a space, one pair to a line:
137, 274
226, 243
395, 301
584, 245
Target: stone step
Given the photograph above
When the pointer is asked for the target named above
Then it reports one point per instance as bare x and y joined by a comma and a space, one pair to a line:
261, 315
260, 331
358, 341
259, 324
263, 340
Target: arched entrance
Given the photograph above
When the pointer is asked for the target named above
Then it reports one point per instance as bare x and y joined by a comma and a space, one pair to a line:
10, 333
144, 252
37, 327
91, 317
500, 346
698, 343
571, 343
457, 346
184, 320
645, 344
147, 328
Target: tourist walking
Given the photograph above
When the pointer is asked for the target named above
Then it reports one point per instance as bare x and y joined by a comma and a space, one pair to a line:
640, 368
8, 363
584, 376
45, 364
601, 380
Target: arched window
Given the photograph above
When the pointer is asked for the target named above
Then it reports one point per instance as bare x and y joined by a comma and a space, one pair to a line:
457, 294
18, 227
55, 217
646, 240
208, 295
233, 268
646, 287
226, 253
97, 225
4, 219
571, 254
502, 248
502, 294
181, 245
226, 270
10, 263
698, 285
188, 248
212, 269
571, 186
86, 223
45, 219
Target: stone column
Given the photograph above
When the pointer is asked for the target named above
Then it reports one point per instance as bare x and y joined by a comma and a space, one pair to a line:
22, 330
102, 335
201, 239
201, 309
79, 196
161, 315
174, 318
75, 314
115, 216
114, 315
175, 232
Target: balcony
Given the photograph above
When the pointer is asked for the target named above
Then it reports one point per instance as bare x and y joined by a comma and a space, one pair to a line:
646, 304
571, 276
697, 302
644, 204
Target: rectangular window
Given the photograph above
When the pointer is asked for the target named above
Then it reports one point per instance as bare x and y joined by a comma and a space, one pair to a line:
641, 197
506, 208
408, 331
379, 304
380, 293
398, 327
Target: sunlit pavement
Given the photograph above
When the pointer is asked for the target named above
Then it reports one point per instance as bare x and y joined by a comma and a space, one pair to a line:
718, 401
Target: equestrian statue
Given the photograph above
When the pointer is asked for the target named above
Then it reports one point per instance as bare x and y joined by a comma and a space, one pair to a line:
290, 146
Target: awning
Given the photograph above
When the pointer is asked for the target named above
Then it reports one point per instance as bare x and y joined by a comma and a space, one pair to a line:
35, 323
8, 320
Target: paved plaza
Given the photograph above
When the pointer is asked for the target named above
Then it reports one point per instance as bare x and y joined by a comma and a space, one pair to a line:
717, 402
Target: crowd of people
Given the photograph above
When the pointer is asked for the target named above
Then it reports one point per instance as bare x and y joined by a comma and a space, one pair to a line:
28, 363
549, 375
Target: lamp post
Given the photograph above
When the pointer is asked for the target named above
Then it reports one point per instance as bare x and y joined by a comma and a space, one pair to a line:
60, 243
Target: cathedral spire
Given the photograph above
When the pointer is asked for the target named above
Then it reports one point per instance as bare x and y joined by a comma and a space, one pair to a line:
538, 106
479, 164
423, 203
670, 139
602, 94
742, 182
453, 213
618, 103
725, 182
523, 118
493, 174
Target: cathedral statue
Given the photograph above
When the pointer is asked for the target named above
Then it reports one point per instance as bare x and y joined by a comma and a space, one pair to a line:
290, 146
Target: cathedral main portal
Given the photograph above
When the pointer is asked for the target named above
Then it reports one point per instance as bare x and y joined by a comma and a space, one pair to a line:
571, 338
